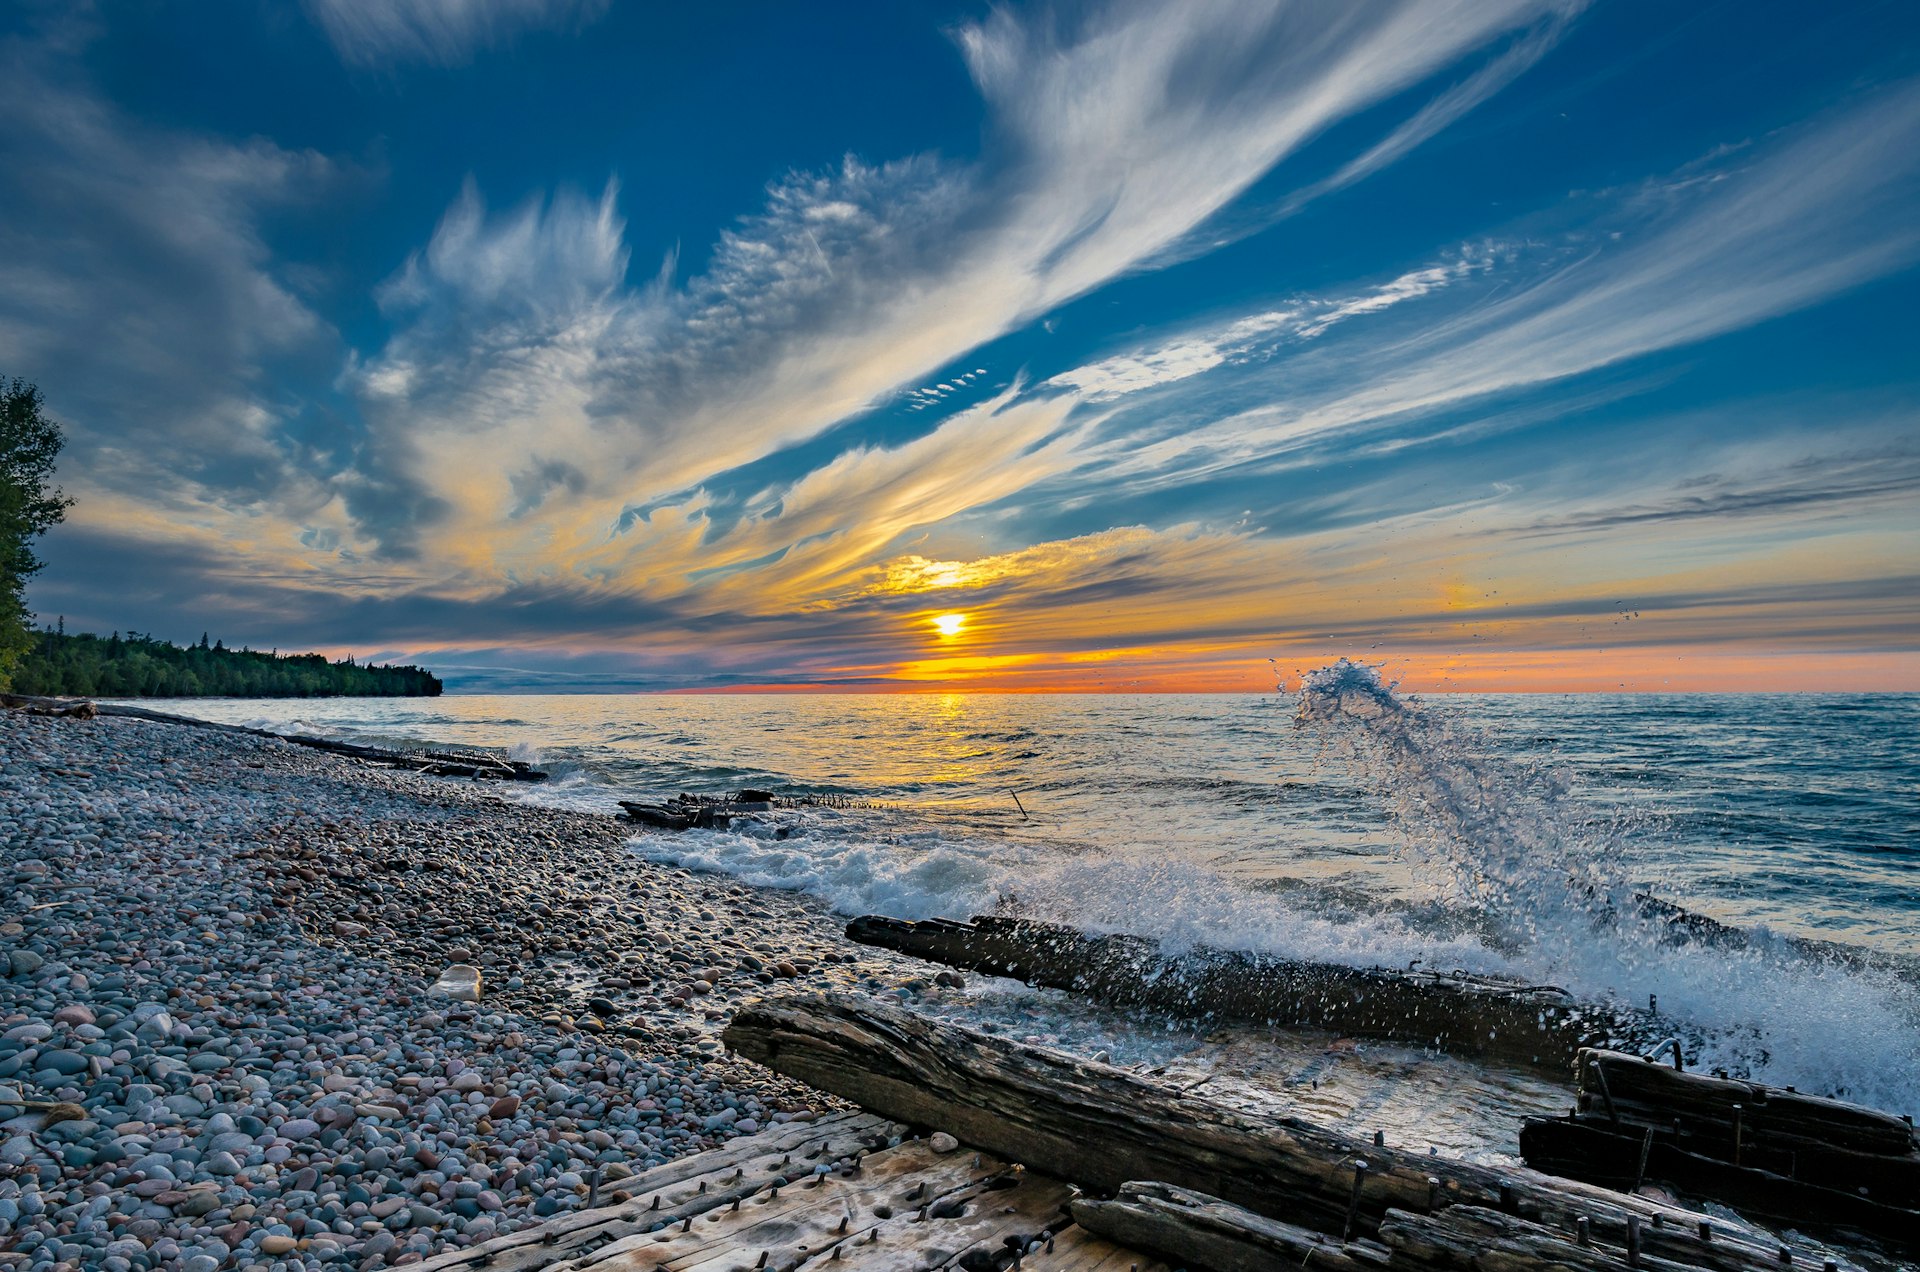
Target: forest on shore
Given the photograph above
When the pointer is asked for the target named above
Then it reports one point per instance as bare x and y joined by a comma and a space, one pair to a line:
137, 666
51, 663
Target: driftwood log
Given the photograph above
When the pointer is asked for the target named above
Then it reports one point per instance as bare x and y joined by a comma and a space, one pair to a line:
57, 708
673, 816
1767, 1151
1102, 1127
435, 763
1532, 1026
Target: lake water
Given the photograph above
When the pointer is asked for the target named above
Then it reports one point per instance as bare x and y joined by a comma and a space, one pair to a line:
1504, 833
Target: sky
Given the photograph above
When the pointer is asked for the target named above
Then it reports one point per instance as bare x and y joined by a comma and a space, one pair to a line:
570, 345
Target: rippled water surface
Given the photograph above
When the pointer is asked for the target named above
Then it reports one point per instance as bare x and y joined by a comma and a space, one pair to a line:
1499, 832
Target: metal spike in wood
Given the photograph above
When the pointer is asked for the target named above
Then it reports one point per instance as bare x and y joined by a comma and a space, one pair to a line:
1353, 1203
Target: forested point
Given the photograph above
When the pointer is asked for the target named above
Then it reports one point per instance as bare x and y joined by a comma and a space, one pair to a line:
137, 666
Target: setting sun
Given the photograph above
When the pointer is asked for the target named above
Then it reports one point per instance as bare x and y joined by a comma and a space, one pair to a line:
949, 624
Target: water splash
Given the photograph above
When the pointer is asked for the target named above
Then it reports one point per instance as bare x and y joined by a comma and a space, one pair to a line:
1503, 838
1551, 883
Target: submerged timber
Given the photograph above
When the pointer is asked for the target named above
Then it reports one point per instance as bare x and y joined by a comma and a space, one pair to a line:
1538, 1027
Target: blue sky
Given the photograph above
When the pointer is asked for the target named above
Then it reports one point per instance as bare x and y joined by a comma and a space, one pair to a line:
573, 345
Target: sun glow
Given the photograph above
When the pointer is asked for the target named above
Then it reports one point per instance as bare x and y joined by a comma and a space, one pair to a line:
949, 625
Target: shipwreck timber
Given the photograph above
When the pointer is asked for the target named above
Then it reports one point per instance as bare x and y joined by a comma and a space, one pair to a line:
1767, 1151
1486, 1018
1207, 1187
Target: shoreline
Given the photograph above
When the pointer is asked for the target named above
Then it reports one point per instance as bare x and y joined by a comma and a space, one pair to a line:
219, 948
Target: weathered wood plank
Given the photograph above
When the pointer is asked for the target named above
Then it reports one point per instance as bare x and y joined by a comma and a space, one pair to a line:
1186, 1226
1534, 1026
797, 1223
1077, 1250
1710, 1108
688, 1186
1582, 1150
1101, 1127
963, 1230
1488, 1241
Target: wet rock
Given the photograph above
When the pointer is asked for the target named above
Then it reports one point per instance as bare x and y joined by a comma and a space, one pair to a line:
460, 982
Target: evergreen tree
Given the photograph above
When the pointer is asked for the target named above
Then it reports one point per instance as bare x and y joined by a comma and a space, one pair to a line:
145, 666
29, 441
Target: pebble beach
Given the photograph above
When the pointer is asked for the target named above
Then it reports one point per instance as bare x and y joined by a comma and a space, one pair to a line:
220, 1045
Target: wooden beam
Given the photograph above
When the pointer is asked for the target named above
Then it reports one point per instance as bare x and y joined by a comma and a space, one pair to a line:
686, 1188
1102, 1127
1534, 1026
1580, 1149
1190, 1227
1710, 1108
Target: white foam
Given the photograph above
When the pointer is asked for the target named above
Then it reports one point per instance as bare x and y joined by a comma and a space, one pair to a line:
883, 864
1552, 878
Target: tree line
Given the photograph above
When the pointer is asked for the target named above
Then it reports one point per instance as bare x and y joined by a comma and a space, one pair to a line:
28, 443
137, 666
51, 662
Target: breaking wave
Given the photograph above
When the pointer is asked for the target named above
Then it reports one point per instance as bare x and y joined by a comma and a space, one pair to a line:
1553, 882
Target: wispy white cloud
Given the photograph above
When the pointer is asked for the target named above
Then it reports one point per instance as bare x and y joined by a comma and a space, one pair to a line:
1766, 230
444, 32
1258, 335
1111, 135
1434, 117
927, 395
